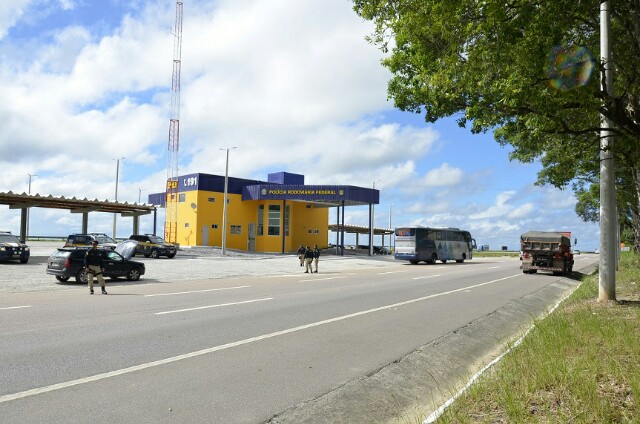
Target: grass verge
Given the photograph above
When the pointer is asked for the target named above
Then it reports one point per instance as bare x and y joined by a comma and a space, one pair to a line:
581, 364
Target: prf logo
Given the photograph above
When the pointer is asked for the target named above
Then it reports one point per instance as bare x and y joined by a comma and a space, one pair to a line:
172, 184
341, 192
263, 192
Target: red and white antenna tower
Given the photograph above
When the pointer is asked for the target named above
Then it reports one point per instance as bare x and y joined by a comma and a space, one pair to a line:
171, 217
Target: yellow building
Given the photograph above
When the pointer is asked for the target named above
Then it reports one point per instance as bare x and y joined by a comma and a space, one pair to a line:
275, 216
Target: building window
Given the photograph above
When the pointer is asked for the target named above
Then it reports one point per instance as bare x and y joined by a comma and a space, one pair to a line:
186, 225
274, 220
181, 197
287, 212
212, 199
316, 231
214, 226
260, 220
236, 229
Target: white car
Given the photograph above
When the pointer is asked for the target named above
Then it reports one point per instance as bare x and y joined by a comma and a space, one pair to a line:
576, 252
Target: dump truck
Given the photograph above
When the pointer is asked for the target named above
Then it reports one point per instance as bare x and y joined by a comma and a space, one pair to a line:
546, 251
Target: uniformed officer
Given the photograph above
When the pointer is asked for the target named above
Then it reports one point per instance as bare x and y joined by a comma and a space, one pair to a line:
316, 256
301, 251
93, 263
308, 258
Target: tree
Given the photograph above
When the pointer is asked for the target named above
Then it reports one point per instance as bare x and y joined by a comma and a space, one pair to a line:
523, 69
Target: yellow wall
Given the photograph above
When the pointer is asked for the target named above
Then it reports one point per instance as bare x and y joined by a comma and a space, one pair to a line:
308, 225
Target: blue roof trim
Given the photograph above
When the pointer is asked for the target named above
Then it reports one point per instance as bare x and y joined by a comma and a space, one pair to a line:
332, 194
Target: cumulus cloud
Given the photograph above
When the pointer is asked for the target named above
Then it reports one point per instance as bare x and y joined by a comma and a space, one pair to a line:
445, 175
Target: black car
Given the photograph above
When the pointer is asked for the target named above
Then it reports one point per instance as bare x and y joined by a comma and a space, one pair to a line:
85, 240
67, 262
154, 246
12, 248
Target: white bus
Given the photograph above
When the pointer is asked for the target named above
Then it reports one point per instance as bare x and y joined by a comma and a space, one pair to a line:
415, 244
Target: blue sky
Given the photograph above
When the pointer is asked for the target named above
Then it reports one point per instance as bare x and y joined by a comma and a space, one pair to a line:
292, 85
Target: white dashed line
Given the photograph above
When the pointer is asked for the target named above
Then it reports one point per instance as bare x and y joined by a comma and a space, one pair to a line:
427, 276
15, 307
195, 291
213, 306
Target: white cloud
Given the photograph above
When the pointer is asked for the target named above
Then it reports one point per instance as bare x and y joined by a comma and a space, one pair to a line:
445, 175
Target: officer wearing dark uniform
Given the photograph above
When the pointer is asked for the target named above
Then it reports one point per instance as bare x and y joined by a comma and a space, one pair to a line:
316, 256
308, 258
301, 251
93, 263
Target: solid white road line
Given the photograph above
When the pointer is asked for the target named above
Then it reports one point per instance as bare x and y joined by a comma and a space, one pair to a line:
213, 306
97, 377
493, 267
195, 291
15, 307
427, 276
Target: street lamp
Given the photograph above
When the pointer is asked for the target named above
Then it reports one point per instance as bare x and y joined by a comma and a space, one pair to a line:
373, 221
26, 232
224, 206
116, 197
140, 190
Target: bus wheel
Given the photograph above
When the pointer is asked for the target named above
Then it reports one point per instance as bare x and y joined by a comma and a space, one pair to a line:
444, 261
433, 260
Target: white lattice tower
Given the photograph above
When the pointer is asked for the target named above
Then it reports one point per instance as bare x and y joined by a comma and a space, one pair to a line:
171, 217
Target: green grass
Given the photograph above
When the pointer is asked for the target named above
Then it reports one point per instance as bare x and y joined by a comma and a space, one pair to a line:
579, 365
494, 253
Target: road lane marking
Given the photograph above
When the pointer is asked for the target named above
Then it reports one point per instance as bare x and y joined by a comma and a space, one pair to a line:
390, 272
213, 306
320, 279
493, 267
195, 291
427, 276
110, 374
15, 307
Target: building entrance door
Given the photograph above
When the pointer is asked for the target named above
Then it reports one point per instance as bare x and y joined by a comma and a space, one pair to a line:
251, 243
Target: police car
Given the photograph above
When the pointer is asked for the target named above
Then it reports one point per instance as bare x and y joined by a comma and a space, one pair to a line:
12, 248
153, 246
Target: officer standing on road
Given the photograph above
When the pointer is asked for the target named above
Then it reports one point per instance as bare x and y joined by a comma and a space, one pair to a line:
308, 258
301, 251
93, 263
316, 256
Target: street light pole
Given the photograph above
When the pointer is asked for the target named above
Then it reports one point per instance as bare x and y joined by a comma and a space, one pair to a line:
116, 196
26, 233
372, 223
224, 206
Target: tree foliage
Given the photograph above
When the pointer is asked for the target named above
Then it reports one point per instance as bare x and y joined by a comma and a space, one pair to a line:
512, 67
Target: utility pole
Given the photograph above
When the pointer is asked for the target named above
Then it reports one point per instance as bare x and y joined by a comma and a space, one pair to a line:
224, 206
26, 233
116, 197
608, 212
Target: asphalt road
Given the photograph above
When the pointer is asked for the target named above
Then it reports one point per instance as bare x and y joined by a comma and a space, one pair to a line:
209, 339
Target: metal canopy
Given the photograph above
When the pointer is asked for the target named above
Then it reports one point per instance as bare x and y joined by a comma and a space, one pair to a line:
74, 205
357, 229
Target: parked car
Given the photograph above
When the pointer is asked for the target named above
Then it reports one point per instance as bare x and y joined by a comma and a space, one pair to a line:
575, 252
85, 240
154, 246
11, 247
67, 262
